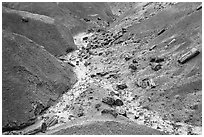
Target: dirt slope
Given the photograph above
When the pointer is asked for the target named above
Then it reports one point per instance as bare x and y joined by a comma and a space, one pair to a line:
42, 29
76, 16
32, 80
34, 35
109, 128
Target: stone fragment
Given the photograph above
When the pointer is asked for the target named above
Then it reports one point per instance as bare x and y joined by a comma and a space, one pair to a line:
133, 67
85, 38
145, 83
101, 74
156, 67
118, 102
109, 111
108, 100
97, 106
199, 7
51, 121
156, 59
122, 86
134, 61
188, 56
24, 19
43, 127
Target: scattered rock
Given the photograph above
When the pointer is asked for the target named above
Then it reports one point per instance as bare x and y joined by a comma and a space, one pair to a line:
122, 86
133, 67
87, 63
101, 74
87, 20
189, 55
24, 19
162, 31
127, 58
109, 111
156, 67
145, 83
97, 106
85, 38
199, 7
156, 59
134, 61
51, 121
118, 102
108, 100
43, 127
137, 117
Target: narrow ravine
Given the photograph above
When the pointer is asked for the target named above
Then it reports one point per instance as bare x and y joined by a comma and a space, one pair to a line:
150, 118
63, 110
83, 81
138, 63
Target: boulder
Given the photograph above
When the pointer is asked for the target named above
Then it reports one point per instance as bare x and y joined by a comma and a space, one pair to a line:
122, 86
188, 55
108, 100
118, 102
109, 111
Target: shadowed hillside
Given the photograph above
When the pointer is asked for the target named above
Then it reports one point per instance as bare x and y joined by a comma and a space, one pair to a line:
34, 34
32, 80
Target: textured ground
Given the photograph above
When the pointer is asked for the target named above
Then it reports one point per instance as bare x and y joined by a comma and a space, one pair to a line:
108, 128
32, 80
76, 16
34, 35
143, 43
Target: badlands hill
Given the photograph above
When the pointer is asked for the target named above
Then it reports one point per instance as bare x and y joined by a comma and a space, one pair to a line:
34, 35
76, 66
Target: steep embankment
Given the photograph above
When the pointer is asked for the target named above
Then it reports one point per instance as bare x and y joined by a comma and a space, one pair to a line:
32, 80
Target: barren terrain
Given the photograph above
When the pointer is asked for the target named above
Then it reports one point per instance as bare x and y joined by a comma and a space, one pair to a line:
125, 75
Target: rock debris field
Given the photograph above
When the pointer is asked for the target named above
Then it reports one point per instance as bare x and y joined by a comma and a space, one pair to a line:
142, 72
